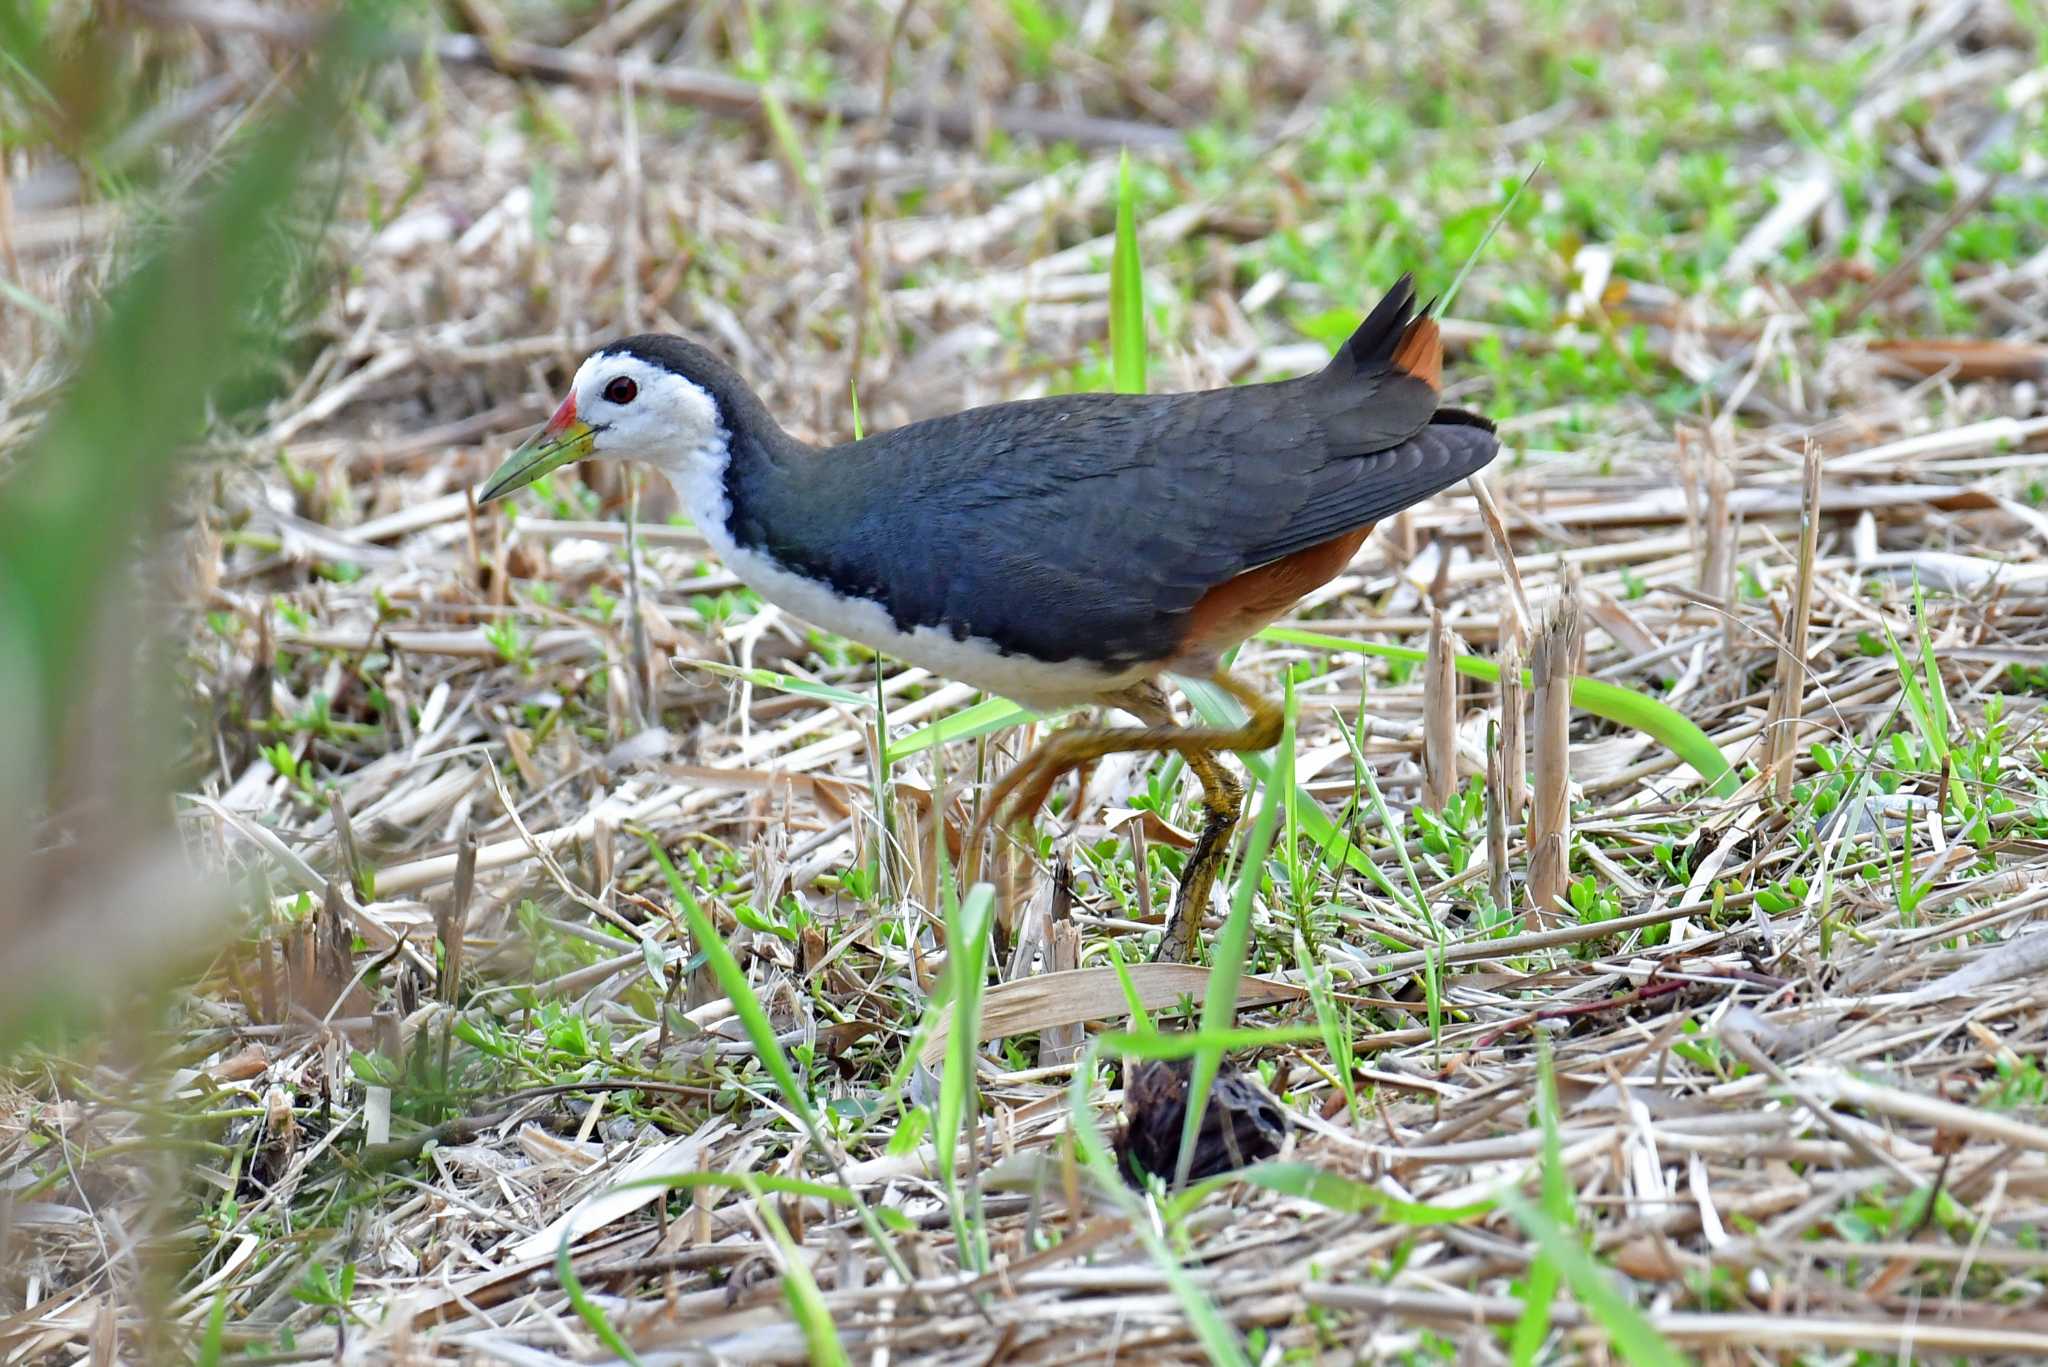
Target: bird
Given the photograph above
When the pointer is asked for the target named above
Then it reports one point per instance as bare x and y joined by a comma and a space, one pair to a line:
1062, 551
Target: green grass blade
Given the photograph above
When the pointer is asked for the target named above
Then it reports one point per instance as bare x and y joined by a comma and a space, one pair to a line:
1634, 1338
1219, 1004
22, 299
1215, 1334
1418, 900
194, 328
967, 939
806, 1303
588, 1310
1432, 968
1532, 1326
1552, 1225
208, 1354
1291, 798
990, 714
1141, 1020
1186, 1043
177, 329
1332, 1023
1661, 722
1557, 1191
1539, 1289
1126, 292
784, 683
1930, 664
1332, 1190
732, 980
1912, 683
1443, 305
753, 1182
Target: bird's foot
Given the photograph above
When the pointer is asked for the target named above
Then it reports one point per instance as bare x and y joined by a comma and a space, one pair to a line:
1017, 798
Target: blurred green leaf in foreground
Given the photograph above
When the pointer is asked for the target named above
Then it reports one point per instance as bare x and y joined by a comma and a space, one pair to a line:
74, 511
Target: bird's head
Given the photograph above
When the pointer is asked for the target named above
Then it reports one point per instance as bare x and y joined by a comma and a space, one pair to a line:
644, 398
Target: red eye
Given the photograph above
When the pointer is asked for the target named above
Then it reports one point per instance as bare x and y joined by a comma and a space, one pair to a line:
621, 390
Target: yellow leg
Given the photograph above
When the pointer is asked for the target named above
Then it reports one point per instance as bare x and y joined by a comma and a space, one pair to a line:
1023, 791
1222, 800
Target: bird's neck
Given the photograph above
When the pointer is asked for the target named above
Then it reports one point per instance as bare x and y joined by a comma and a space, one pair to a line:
726, 474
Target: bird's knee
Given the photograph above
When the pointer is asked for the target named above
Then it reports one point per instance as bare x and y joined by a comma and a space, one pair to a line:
1222, 794
1262, 732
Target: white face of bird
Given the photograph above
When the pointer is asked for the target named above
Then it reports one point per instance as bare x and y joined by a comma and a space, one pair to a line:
620, 407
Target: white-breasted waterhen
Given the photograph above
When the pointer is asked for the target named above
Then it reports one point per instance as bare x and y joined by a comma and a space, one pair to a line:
1058, 551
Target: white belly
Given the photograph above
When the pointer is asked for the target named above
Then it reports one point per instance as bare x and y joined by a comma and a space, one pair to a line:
974, 660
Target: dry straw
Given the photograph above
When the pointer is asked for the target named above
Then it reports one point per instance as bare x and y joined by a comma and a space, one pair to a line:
358, 648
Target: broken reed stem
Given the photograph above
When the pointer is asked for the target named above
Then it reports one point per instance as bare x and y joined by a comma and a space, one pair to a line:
1141, 884
386, 1035
1717, 564
1512, 746
333, 965
1440, 716
1503, 551
345, 844
1496, 818
1788, 695
268, 957
452, 919
1506, 753
1552, 659
1062, 1044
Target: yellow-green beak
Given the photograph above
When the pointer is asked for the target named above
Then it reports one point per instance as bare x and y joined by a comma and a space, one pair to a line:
566, 438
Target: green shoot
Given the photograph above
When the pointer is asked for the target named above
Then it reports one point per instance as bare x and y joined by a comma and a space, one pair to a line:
1126, 292
1443, 304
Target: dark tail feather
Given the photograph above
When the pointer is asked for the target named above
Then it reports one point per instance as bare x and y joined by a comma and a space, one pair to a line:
1382, 484
1461, 417
1377, 337
1394, 336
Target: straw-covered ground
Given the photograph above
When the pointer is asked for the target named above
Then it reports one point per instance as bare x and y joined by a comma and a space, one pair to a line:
1762, 1082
